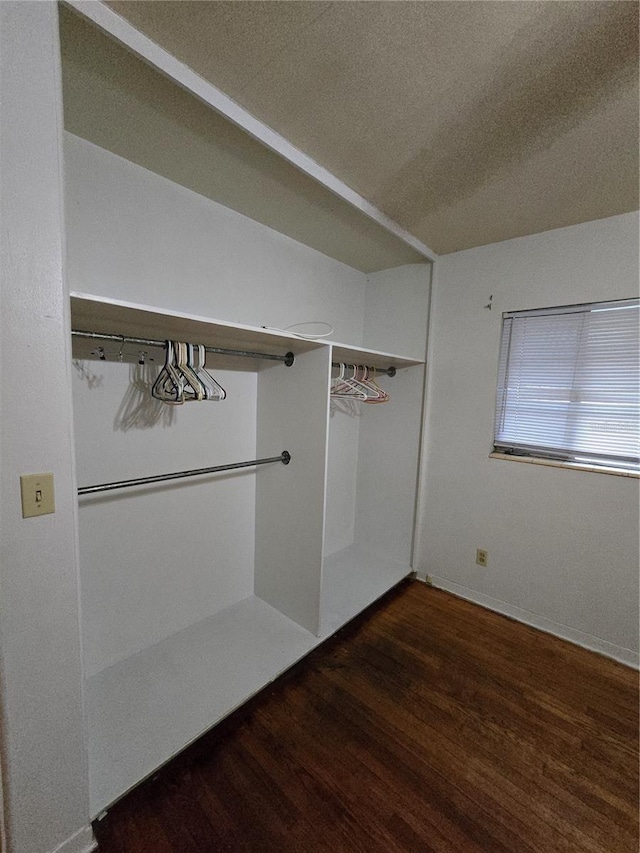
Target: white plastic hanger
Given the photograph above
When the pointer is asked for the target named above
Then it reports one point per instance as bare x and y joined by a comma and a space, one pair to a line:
169, 386
213, 389
193, 387
342, 386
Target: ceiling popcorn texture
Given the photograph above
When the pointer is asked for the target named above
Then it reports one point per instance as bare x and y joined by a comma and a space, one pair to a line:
465, 122
118, 102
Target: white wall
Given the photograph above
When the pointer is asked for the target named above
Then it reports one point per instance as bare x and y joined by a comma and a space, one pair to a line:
563, 544
157, 559
137, 236
44, 763
397, 310
396, 320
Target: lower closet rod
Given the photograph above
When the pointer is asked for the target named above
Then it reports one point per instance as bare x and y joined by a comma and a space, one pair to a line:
284, 457
287, 358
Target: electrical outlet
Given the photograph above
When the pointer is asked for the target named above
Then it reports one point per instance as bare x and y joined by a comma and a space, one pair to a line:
482, 557
37, 494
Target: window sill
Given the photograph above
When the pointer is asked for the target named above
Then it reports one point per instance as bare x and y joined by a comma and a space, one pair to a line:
576, 466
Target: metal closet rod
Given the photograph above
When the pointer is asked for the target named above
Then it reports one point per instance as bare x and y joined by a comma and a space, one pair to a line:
288, 358
390, 371
284, 457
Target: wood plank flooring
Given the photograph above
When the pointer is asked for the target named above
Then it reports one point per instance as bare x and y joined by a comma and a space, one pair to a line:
429, 725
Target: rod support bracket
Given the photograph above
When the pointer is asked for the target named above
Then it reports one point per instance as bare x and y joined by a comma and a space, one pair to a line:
286, 457
289, 358
391, 371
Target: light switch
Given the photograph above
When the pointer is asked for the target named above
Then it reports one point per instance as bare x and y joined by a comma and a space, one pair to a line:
37, 494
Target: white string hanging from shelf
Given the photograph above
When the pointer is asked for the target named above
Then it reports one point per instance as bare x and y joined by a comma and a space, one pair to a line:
308, 336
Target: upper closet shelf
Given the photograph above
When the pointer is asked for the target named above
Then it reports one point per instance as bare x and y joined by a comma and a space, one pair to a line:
115, 317
371, 357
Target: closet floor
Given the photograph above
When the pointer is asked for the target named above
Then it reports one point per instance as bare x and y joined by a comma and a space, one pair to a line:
352, 579
147, 708
429, 724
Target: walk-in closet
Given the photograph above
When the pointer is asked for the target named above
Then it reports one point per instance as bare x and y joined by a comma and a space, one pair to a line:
197, 591
259, 262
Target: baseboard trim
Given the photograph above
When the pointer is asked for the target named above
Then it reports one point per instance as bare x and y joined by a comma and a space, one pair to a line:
81, 841
579, 638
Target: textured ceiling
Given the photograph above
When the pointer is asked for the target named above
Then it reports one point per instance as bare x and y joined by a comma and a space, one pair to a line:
466, 122
118, 102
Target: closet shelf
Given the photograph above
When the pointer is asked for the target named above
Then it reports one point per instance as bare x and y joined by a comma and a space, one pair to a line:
112, 316
374, 358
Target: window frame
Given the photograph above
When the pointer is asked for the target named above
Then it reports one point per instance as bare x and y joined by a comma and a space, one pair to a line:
520, 449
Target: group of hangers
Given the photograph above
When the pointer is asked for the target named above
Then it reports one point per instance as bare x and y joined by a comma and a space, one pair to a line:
184, 376
359, 385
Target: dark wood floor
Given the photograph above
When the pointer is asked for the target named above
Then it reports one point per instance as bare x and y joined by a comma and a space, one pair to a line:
433, 725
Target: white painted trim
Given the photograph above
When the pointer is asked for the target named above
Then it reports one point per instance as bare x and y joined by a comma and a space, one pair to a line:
118, 28
587, 641
421, 488
81, 841
557, 463
3, 826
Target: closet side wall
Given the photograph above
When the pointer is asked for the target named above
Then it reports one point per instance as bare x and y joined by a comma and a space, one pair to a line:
397, 318
293, 407
44, 761
388, 456
397, 310
342, 477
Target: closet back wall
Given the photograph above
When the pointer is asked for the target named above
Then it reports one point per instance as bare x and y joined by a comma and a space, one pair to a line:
136, 236
157, 559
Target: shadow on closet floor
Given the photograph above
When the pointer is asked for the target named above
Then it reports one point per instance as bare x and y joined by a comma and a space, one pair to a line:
427, 724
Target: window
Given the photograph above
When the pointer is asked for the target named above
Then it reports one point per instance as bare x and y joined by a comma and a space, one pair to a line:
568, 384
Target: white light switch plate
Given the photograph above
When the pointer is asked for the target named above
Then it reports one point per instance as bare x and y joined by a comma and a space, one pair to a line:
37, 494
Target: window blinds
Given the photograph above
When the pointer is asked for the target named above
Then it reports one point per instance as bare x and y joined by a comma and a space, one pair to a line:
568, 384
